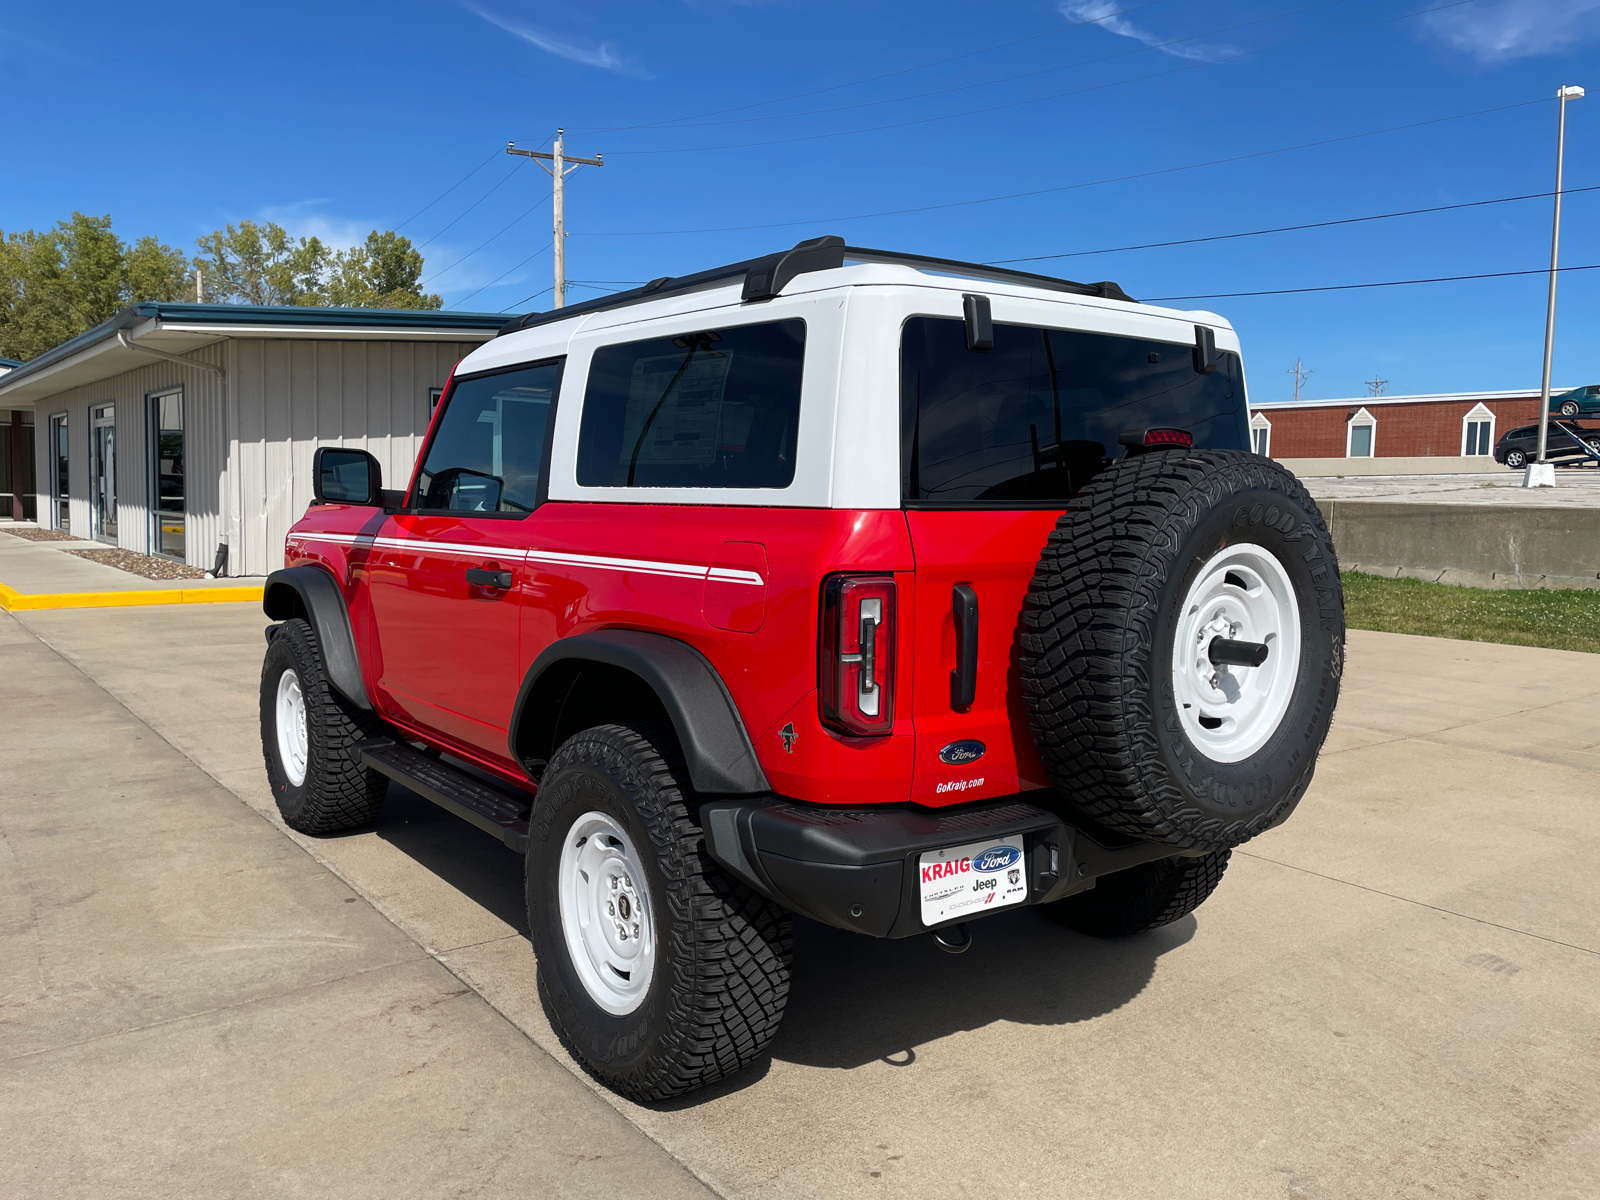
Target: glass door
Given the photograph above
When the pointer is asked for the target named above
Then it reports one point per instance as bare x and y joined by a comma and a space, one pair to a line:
58, 479
103, 500
166, 418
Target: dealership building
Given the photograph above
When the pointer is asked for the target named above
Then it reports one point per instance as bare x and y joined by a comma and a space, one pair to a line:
187, 430
1463, 425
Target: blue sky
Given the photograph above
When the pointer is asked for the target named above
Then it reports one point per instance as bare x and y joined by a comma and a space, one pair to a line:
730, 129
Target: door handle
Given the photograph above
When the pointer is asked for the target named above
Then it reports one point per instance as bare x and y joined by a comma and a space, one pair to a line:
499, 580
964, 679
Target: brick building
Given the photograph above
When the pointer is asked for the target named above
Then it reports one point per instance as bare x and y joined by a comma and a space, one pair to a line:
1453, 424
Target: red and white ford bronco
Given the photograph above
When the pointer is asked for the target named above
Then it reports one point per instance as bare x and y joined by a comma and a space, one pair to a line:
882, 589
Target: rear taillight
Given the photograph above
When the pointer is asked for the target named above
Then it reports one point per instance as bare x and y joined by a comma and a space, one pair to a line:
858, 654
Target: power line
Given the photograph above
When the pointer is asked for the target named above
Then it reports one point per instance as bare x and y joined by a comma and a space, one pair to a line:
446, 192
967, 87
475, 203
671, 121
1071, 187
525, 299
1224, 237
538, 204
1056, 95
503, 274
1346, 287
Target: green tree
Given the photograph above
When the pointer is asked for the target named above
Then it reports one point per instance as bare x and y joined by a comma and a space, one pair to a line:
386, 272
262, 264
158, 272
55, 285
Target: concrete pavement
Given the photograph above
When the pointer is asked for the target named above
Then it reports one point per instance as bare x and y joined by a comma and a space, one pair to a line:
1392, 995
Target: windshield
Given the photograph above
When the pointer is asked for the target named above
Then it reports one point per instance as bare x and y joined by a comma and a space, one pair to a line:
1030, 422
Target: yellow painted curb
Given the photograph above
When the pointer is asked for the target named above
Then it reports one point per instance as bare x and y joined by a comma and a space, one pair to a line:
12, 600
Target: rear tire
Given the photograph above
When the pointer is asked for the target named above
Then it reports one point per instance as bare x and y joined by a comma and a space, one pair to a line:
659, 971
1569, 408
1141, 898
1516, 459
307, 731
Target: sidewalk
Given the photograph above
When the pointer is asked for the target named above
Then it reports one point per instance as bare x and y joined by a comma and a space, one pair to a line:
43, 575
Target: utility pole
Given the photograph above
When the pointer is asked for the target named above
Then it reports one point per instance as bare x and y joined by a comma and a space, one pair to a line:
1377, 383
558, 171
1541, 473
1301, 373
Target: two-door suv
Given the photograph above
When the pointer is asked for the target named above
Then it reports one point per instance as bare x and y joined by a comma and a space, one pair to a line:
882, 589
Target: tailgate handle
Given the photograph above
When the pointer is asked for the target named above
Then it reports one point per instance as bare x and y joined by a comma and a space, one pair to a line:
964, 679
489, 579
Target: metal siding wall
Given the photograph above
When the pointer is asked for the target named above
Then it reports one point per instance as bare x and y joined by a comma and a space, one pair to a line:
296, 395
205, 450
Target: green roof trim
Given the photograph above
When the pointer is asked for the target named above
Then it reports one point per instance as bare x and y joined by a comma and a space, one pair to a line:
289, 316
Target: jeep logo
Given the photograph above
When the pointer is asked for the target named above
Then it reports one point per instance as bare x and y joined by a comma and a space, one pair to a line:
959, 753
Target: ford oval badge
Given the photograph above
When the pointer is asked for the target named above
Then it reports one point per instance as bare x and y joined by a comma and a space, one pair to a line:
996, 858
960, 753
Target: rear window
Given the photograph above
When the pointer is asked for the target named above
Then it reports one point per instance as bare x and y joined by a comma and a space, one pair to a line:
1030, 422
715, 409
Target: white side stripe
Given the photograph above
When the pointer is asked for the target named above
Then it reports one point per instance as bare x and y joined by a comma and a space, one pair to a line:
554, 558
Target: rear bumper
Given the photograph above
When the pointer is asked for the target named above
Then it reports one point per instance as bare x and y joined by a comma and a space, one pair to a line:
858, 868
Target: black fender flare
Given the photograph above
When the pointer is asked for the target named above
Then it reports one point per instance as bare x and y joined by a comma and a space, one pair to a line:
717, 749
315, 592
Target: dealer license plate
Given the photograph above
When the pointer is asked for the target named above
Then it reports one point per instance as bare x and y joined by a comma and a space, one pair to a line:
967, 881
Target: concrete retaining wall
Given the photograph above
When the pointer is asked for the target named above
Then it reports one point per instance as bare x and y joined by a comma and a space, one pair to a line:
1325, 467
1477, 545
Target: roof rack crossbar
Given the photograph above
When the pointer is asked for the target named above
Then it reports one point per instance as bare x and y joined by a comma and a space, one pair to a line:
766, 277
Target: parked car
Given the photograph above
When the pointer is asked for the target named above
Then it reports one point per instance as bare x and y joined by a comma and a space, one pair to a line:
1519, 447
1577, 402
890, 591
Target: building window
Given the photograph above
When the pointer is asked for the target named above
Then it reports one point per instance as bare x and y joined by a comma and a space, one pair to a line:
59, 507
1361, 435
167, 475
433, 399
103, 473
1261, 435
1477, 432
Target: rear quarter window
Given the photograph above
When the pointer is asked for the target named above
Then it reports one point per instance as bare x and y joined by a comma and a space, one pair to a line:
1030, 422
718, 408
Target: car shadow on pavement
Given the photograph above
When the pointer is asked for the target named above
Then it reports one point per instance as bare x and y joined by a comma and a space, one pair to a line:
473, 862
856, 1000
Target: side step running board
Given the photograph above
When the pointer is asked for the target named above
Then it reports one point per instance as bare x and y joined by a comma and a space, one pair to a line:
489, 808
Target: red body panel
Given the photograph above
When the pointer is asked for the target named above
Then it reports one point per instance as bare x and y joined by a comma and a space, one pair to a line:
995, 553
443, 659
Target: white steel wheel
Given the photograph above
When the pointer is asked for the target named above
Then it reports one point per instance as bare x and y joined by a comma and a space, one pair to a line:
291, 724
606, 914
1243, 594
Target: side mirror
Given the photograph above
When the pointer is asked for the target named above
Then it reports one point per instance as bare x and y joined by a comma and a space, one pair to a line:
341, 476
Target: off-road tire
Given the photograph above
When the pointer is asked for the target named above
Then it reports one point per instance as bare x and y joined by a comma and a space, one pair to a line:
1098, 628
337, 792
1141, 898
721, 975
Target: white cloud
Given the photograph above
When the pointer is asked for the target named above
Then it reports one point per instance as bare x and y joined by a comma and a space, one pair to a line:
1492, 30
1100, 12
336, 233
601, 55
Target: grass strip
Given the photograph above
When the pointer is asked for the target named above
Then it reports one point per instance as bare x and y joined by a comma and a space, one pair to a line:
1557, 620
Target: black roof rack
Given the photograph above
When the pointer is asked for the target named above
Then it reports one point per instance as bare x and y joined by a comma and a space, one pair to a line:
765, 277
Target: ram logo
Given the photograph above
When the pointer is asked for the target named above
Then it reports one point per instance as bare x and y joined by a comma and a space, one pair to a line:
996, 858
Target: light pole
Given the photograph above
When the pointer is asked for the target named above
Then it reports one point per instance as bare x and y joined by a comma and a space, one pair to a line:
1541, 473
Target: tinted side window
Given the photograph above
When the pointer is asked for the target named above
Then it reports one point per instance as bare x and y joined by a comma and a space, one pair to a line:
488, 452
1033, 420
714, 409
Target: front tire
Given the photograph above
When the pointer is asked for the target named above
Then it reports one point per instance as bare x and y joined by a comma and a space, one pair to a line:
660, 972
307, 731
1569, 408
1141, 898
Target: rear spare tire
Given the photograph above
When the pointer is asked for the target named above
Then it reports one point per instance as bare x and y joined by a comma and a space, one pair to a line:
1166, 563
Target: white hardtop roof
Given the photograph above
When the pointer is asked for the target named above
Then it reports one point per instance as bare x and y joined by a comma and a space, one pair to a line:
550, 339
